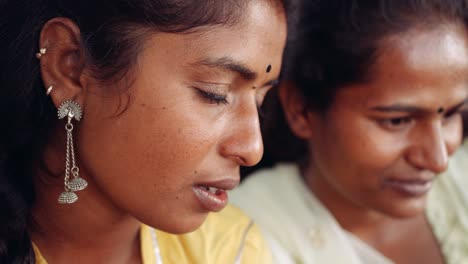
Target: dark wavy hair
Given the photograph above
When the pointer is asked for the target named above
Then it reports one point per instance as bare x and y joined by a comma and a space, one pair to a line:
334, 44
111, 47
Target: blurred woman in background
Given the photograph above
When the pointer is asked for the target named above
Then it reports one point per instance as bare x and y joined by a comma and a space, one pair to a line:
373, 95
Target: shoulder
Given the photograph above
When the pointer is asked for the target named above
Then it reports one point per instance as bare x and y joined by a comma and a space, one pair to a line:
458, 165
447, 207
267, 194
242, 234
221, 239
265, 183
451, 185
223, 225
38, 256
274, 198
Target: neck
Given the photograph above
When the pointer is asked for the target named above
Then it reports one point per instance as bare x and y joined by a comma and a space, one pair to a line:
88, 231
367, 224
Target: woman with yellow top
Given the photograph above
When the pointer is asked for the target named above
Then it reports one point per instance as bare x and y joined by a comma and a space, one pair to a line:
124, 126
373, 99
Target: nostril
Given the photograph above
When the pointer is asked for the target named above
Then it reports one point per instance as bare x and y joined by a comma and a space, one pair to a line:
241, 161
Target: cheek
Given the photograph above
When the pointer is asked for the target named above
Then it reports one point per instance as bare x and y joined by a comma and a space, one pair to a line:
453, 134
158, 145
363, 145
173, 142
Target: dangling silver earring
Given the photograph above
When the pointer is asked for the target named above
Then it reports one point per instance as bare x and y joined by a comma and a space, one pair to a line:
71, 110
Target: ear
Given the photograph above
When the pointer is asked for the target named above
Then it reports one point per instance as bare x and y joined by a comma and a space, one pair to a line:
62, 64
295, 110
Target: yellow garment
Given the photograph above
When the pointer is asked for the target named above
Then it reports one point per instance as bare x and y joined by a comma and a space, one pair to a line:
39, 258
217, 241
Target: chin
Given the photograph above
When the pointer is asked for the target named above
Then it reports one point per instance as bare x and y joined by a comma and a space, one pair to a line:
405, 209
179, 225
405, 214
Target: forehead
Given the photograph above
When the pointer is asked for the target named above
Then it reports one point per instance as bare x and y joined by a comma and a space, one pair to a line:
423, 66
261, 28
256, 41
425, 49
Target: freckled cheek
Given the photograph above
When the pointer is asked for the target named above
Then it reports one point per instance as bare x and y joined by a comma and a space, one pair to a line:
164, 138
181, 145
172, 162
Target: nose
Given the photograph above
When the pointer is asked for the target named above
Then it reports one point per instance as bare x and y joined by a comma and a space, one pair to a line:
243, 140
431, 150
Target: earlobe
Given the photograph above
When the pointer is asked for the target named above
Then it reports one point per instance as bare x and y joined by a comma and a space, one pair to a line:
295, 110
61, 58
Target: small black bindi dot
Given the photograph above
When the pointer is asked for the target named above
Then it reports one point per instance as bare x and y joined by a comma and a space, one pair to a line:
268, 69
440, 110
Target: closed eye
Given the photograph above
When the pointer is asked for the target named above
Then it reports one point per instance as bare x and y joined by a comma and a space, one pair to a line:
456, 110
396, 123
453, 112
212, 98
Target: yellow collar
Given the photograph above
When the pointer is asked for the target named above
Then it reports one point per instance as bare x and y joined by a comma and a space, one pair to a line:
146, 245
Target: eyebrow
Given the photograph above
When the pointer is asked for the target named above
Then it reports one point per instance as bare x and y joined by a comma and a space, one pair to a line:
413, 109
230, 65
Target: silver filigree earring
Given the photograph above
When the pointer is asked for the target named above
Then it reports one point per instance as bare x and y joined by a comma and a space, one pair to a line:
71, 110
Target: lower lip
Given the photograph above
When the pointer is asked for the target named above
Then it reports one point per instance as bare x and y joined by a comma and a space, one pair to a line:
213, 202
409, 188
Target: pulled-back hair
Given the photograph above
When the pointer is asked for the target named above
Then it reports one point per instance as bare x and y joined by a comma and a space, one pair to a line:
335, 44
111, 36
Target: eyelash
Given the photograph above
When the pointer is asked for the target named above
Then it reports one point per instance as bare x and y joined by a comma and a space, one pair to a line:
260, 111
390, 123
452, 113
213, 98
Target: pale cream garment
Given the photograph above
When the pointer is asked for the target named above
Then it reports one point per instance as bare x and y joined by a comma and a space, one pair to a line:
299, 229
447, 208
